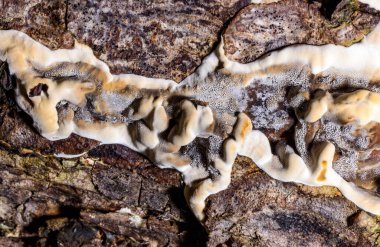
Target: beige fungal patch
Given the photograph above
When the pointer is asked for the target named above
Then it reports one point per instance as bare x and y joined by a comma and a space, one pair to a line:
256, 146
299, 172
361, 107
24, 56
241, 131
159, 121
323, 155
170, 160
355, 60
209, 186
373, 134
318, 107
294, 169
246, 72
194, 121
107, 133
146, 107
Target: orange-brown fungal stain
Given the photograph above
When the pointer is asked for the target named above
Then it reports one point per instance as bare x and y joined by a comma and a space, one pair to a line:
322, 174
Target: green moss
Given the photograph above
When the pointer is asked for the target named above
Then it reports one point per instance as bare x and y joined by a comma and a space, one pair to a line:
41, 168
5, 229
7, 158
375, 231
356, 39
76, 178
345, 16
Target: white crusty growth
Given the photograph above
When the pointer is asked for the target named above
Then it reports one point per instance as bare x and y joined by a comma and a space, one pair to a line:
319, 174
23, 55
38, 96
357, 59
194, 121
360, 107
231, 148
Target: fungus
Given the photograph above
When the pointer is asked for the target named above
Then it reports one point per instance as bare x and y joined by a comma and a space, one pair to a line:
151, 120
360, 107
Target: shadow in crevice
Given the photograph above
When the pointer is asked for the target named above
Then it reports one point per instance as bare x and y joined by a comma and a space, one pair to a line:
327, 7
194, 233
38, 228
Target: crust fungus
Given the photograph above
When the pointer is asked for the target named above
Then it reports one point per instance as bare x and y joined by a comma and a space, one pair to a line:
71, 91
360, 107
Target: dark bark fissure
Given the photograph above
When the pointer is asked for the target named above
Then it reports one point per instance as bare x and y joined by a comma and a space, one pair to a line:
66, 14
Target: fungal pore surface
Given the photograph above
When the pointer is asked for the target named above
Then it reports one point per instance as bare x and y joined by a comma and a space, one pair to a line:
225, 109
